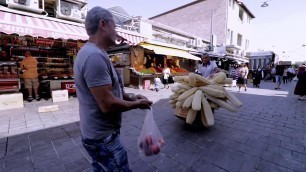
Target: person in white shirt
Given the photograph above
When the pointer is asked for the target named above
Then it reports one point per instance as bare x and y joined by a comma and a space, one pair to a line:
208, 67
166, 75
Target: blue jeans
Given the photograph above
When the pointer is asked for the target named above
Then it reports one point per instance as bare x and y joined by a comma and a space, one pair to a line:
107, 154
278, 79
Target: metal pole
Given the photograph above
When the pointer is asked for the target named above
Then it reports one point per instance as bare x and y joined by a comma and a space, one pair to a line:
212, 30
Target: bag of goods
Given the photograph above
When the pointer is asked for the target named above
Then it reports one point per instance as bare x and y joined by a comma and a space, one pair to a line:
150, 140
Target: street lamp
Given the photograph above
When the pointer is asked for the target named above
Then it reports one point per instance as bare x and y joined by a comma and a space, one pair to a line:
265, 4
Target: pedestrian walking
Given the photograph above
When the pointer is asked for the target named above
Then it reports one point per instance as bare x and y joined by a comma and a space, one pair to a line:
30, 75
300, 88
101, 95
272, 72
242, 77
259, 75
279, 71
285, 76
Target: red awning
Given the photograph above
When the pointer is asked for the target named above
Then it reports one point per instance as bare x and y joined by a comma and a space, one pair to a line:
11, 23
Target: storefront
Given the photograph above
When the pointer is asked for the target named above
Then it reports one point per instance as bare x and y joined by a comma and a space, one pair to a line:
148, 61
53, 42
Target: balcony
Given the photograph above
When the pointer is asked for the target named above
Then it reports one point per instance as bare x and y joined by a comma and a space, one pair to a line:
233, 47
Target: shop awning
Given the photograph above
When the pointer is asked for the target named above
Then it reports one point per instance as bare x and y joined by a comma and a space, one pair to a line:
170, 51
11, 23
131, 37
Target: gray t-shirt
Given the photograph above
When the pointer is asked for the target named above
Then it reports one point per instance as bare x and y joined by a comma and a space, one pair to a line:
92, 70
208, 70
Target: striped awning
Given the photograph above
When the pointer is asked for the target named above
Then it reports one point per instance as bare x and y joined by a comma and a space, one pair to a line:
131, 37
11, 23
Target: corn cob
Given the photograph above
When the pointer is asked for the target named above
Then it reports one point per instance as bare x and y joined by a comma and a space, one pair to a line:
181, 91
213, 92
188, 93
207, 112
203, 118
219, 77
217, 87
183, 86
179, 104
213, 105
175, 89
187, 103
191, 115
227, 81
203, 80
196, 101
222, 103
233, 99
192, 80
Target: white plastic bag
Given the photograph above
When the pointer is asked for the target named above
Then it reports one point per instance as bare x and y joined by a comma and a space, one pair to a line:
150, 140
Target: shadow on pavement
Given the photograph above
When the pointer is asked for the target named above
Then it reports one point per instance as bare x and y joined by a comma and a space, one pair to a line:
266, 134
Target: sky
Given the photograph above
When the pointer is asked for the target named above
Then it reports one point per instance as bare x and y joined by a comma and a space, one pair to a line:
280, 27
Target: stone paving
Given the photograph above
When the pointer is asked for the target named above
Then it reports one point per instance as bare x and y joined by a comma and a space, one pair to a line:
267, 134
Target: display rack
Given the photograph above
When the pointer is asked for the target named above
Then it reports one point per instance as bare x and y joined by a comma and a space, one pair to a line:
9, 79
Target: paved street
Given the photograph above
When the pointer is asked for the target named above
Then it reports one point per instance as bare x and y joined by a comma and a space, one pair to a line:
267, 134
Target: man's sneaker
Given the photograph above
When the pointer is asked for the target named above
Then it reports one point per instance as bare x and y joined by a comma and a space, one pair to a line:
30, 98
37, 98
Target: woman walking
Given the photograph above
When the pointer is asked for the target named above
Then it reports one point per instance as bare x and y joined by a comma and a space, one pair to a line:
242, 77
300, 88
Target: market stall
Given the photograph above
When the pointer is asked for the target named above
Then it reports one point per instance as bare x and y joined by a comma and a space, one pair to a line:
148, 62
54, 56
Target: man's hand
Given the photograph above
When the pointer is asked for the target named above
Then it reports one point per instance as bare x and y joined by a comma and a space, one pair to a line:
138, 96
144, 104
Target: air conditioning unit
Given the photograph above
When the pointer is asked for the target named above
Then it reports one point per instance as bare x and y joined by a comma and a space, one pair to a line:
70, 11
27, 5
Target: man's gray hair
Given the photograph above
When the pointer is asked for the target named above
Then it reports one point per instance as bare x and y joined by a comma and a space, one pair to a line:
93, 18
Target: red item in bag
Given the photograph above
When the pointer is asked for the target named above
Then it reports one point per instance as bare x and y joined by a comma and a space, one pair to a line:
150, 140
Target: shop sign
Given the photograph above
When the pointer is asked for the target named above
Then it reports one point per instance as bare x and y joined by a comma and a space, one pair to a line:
44, 42
11, 101
60, 96
16, 29
68, 85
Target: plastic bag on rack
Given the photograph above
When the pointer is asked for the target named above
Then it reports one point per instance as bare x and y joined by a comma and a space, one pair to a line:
150, 140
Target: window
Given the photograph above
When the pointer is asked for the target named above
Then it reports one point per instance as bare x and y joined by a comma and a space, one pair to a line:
241, 14
247, 44
239, 40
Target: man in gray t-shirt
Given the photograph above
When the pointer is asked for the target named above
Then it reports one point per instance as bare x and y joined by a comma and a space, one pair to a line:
101, 98
208, 67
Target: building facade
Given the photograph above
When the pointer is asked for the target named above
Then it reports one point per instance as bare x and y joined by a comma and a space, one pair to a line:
262, 58
224, 22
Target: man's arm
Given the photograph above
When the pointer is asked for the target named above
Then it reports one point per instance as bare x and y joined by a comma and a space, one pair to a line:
108, 103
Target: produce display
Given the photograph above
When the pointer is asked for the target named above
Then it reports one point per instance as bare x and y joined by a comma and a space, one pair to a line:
195, 93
